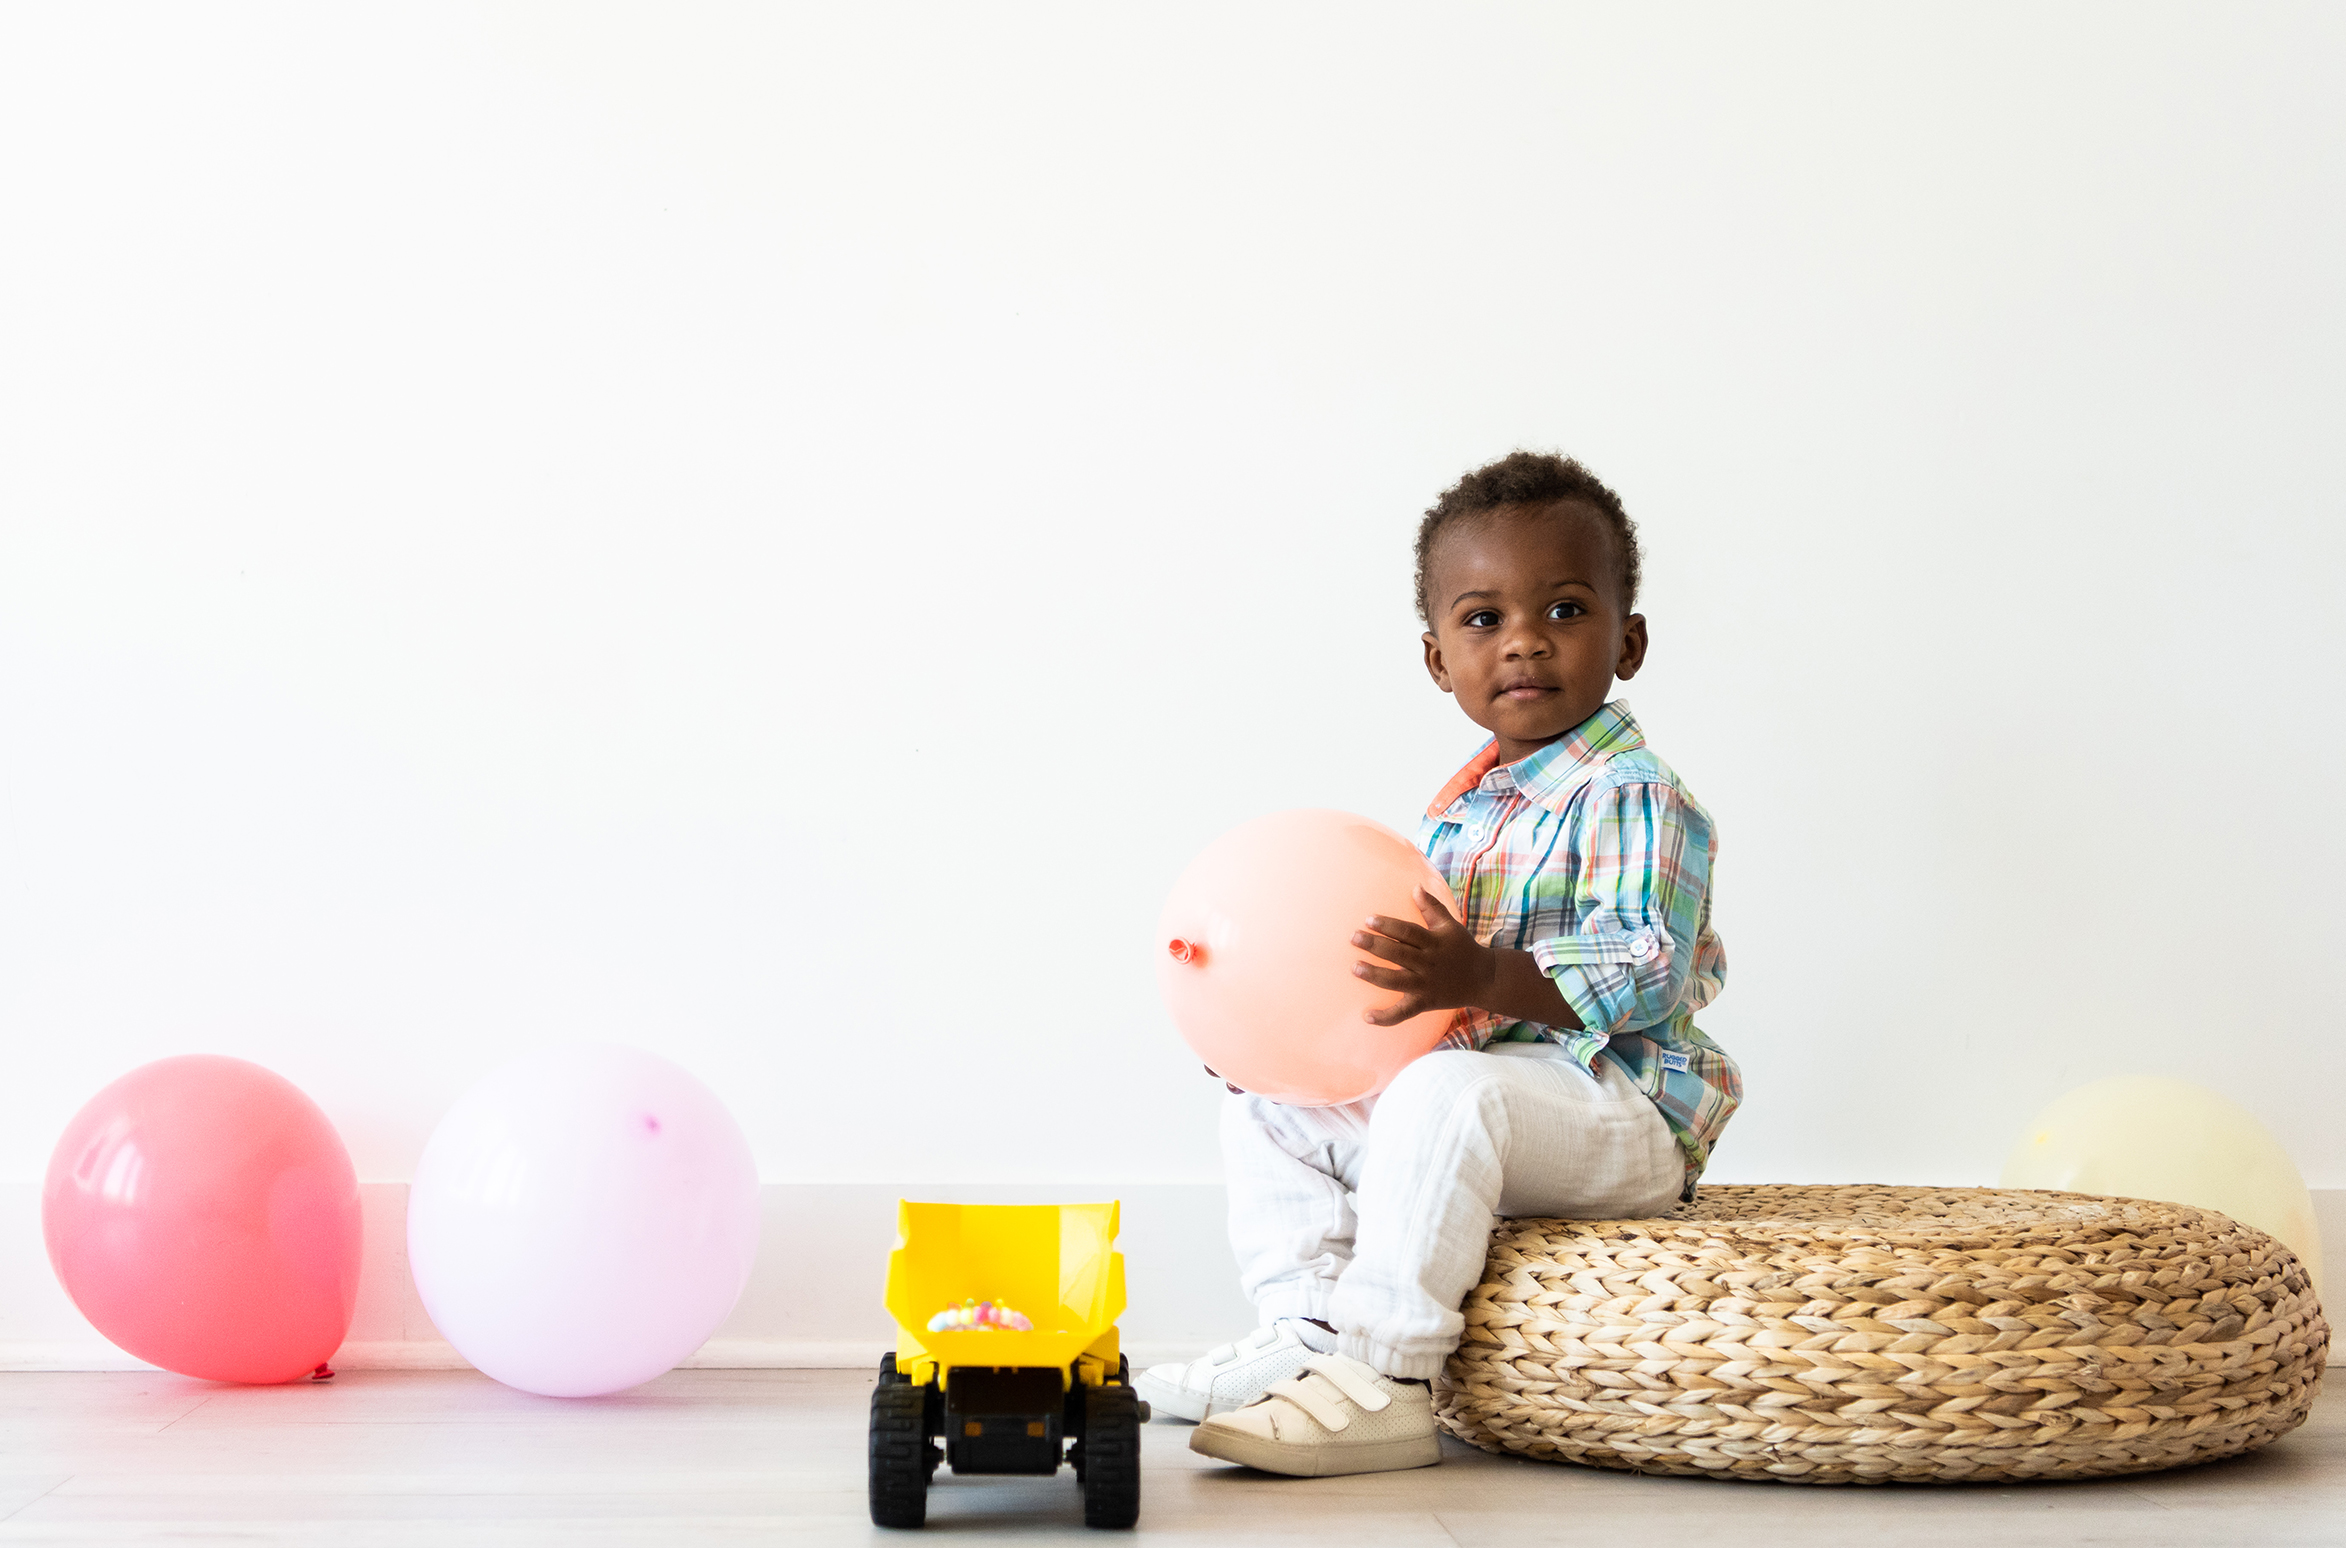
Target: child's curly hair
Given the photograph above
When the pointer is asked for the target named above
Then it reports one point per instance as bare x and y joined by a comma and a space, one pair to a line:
1528, 478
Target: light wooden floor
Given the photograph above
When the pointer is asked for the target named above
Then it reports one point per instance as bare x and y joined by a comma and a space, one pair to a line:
451, 1459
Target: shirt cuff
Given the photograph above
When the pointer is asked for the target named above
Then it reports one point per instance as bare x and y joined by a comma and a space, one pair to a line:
1597, 973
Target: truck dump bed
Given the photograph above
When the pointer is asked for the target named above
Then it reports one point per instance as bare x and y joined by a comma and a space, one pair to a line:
1056, 1263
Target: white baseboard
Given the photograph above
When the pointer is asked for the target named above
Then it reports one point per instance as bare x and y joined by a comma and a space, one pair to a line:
91, 1353
398, 1354
814, 1297
753, 1354
813, 1300
718, 1354
787, 1354
2329, 1216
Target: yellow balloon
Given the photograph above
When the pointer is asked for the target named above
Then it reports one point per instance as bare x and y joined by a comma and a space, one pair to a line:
2155, 1137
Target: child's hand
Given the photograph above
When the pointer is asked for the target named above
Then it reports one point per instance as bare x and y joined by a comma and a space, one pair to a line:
1436, 966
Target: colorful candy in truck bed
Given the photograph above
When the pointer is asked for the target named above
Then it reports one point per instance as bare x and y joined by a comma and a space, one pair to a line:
980, 1315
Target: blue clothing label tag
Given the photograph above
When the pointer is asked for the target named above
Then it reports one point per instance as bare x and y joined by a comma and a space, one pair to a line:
1673, 1060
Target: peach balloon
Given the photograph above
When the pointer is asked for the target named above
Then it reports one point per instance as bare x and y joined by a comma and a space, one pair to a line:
1255, 955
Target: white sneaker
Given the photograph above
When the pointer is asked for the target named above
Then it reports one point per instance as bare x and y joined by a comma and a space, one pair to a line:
1339, 1416
1225, 1378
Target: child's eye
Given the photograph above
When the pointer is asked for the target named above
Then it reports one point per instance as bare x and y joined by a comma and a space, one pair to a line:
1562, 610
1482, 618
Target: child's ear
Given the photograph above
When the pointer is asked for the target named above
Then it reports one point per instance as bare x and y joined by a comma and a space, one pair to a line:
1633, 643
1434, 667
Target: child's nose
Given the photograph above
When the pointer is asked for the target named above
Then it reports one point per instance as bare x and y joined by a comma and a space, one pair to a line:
1526, 641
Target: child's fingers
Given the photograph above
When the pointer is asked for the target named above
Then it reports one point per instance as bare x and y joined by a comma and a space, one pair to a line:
1386, 947
1385, 977
1436, 910
1400, 930
1396, 1013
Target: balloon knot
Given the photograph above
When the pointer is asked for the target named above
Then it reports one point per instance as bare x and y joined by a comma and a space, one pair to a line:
1185, 951
324, 1372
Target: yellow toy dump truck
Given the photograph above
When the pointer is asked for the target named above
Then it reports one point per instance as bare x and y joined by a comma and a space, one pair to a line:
1006, 1398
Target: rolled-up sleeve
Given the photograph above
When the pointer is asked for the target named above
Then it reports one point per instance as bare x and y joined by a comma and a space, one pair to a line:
1639, 903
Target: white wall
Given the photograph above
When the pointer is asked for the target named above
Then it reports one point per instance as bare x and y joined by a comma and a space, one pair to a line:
772, 534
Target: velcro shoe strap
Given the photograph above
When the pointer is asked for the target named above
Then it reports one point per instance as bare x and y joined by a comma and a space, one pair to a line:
1344, 1375
1253, 1344
1326, 1384
1315, 1396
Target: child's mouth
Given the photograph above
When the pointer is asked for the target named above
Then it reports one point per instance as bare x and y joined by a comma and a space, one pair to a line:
1525, 691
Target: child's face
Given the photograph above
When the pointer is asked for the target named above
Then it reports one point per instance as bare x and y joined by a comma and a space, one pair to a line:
1528, 630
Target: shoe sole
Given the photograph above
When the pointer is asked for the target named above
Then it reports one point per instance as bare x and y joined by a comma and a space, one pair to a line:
1323, 1461
1165, 1398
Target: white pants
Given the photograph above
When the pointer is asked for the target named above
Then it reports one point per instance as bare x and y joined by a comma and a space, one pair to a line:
1375, 1217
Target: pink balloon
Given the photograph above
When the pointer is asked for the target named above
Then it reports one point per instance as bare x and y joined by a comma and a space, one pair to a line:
203, 1215
1255, 955
582, 1219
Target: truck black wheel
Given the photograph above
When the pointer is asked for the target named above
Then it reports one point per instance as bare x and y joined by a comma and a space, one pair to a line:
1111, 1457
888, 1368
901, 1456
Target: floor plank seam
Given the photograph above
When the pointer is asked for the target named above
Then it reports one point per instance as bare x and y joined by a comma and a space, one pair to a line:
36, 1499
201, 1402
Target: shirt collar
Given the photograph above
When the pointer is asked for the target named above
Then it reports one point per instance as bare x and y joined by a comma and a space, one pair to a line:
1550, 776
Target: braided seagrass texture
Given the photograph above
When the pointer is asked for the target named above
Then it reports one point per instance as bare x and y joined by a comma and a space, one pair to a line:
1870, 1334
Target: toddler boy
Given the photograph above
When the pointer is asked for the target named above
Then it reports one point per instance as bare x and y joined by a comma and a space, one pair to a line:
1572, 1080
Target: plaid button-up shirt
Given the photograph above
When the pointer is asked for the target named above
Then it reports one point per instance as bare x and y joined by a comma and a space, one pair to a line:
1590, 855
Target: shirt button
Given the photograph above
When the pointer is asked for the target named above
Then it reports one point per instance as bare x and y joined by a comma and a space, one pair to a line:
1640, 947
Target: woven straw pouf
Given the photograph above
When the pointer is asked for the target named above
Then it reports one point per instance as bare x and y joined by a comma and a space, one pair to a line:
1870, 1335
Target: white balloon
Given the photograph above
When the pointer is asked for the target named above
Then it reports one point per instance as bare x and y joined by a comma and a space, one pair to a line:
582, 1220
2156, 1137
